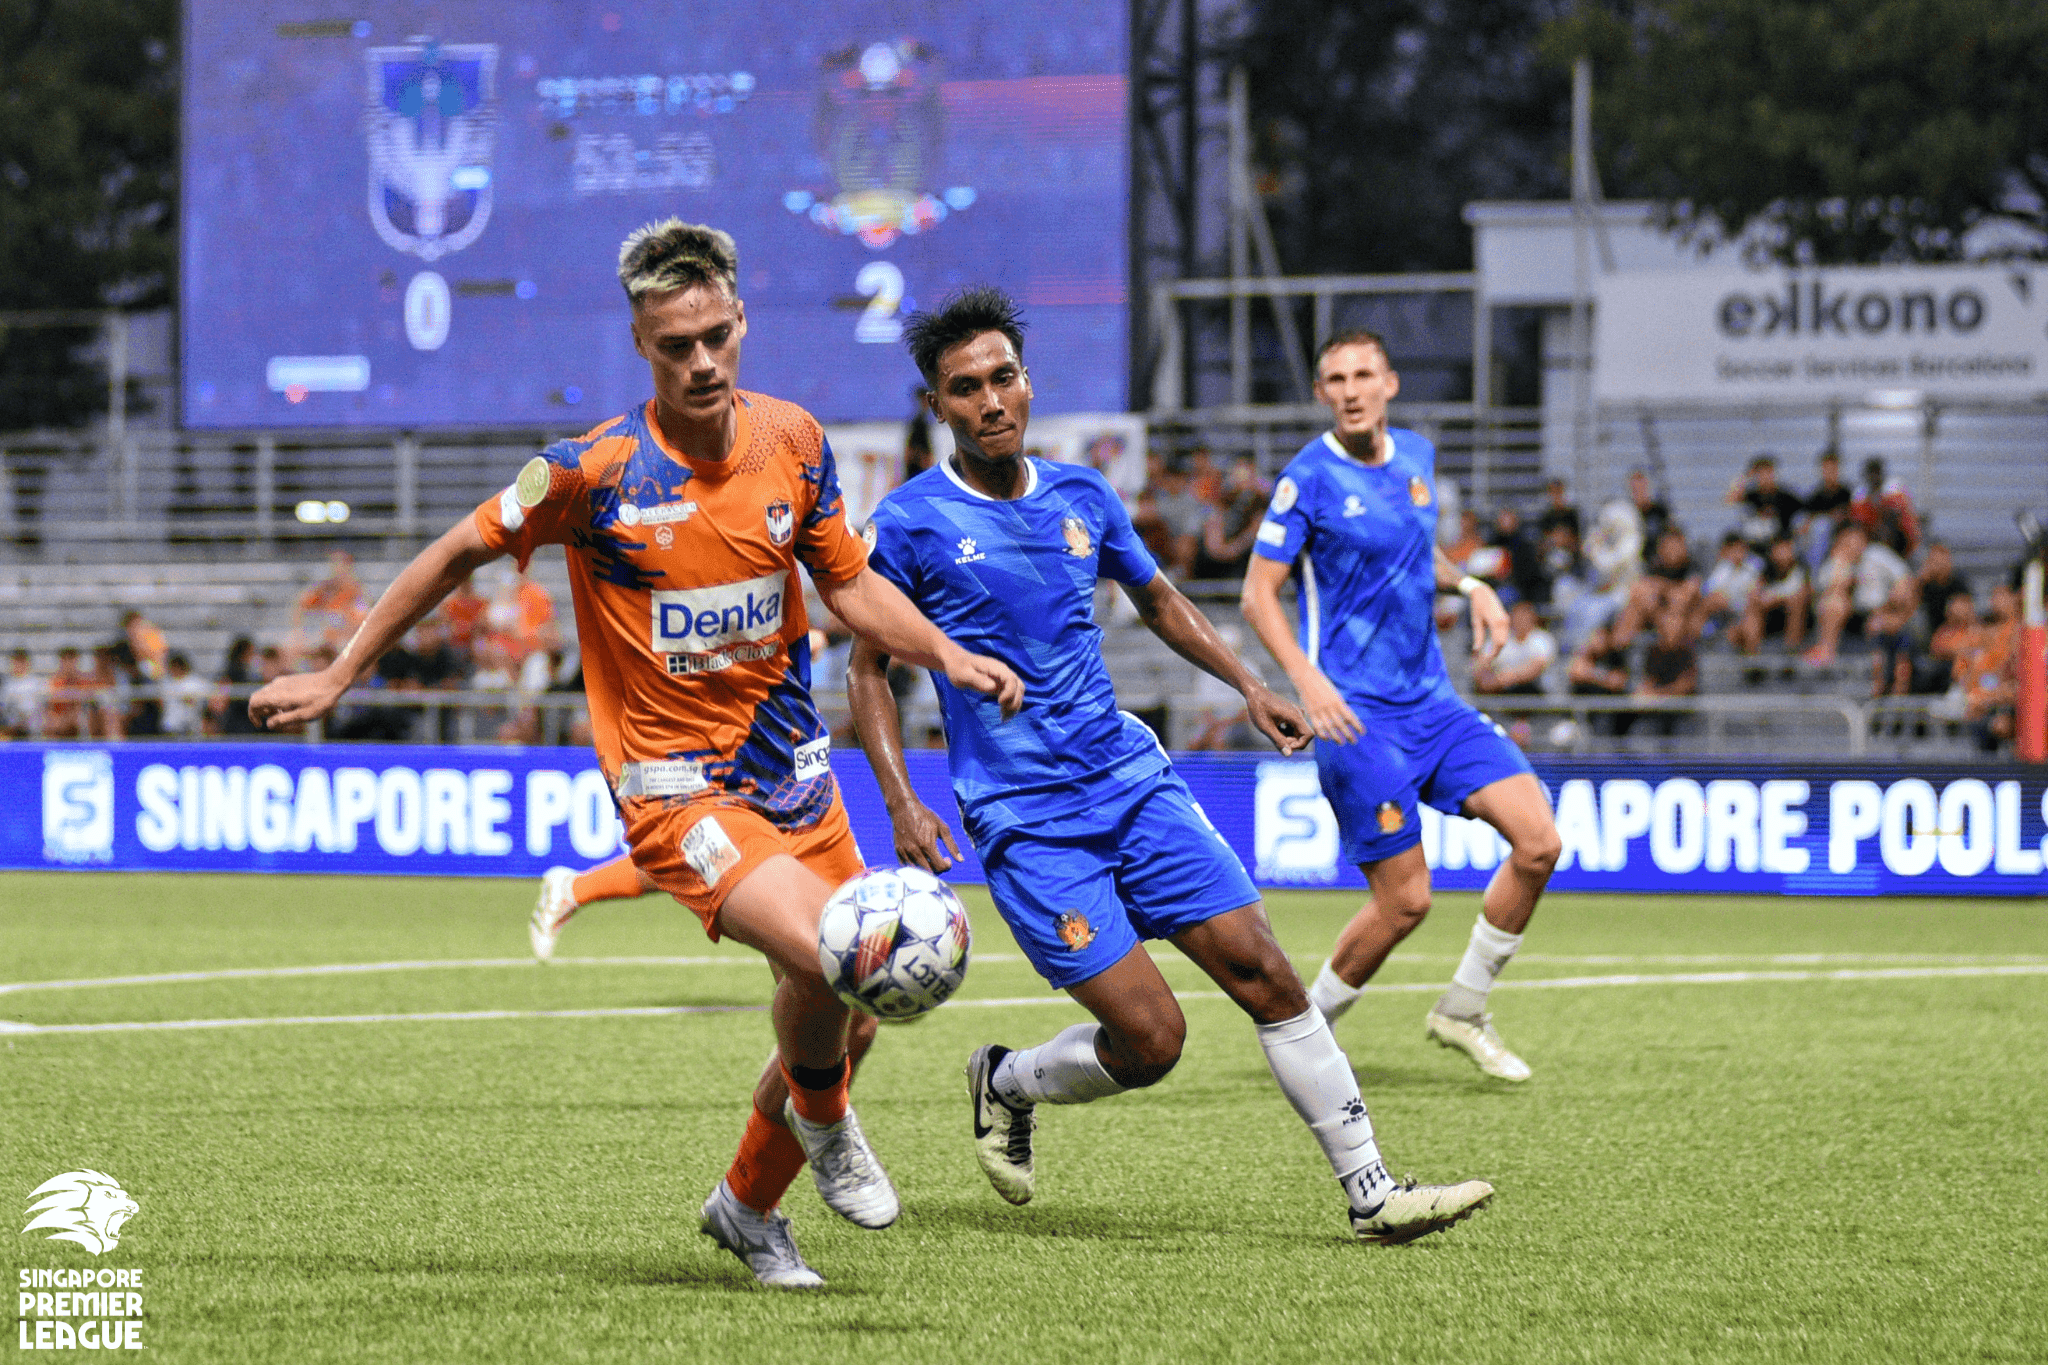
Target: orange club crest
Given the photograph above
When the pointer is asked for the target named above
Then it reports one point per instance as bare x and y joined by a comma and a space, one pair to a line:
1390, 817
1074, 930
1418, 490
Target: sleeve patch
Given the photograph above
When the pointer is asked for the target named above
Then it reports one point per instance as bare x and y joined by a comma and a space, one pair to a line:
509, 509
1272, 532
1284, 494
531, 487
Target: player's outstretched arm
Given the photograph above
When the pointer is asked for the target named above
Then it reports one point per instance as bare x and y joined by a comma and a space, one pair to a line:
1489, 617
1325, 706
1167, 613
922, 838
418, 589
877, 611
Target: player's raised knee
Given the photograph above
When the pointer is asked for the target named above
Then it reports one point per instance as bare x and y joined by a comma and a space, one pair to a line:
1144, 1055
1539, 852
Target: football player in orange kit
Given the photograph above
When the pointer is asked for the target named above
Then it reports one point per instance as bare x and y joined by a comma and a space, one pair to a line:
684, 522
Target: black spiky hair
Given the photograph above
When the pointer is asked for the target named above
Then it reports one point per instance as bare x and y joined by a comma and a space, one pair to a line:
962, 317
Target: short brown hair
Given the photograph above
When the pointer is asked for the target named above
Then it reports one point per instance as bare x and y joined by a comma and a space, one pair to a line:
1353, 336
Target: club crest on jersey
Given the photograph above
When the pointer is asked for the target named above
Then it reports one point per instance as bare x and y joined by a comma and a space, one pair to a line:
1074, 930
1284, 494
664, 536
781, 522
1390, 817
1418, 490
1079, 542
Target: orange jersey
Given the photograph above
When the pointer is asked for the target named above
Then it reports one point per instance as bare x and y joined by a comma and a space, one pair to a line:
688, 604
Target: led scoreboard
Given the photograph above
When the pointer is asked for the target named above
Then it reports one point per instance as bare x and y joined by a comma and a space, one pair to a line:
409, 214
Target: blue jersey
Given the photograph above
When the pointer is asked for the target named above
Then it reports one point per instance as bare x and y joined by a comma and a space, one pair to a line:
1015, 579
1362, 540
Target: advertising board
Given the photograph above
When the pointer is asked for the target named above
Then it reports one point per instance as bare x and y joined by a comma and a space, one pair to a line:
1668, 825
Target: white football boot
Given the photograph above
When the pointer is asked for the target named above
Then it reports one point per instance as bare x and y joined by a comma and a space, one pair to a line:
1410, 1211
1002, 1133
1478, 1041
850, 1178
762, 1241
551, 911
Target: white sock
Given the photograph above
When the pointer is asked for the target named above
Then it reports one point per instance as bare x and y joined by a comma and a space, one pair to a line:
1331, 995
1485, 957
1316, 1077
1062, 1071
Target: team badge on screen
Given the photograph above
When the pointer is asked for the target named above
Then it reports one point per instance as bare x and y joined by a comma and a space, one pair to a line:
781, 522
1390, 817
1079, 542
1074, 930
1418, 491
430, 120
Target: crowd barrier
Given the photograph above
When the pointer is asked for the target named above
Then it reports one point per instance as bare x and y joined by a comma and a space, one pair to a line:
1677, 825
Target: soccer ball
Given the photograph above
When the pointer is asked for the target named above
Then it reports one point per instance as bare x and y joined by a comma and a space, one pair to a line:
893, 942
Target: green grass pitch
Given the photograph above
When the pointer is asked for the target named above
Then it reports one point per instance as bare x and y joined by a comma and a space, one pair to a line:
1723, 1170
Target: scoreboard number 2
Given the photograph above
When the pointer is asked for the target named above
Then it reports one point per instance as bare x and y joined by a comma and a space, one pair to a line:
882, 285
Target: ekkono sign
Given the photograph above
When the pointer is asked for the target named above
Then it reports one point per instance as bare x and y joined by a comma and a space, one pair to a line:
1947, 331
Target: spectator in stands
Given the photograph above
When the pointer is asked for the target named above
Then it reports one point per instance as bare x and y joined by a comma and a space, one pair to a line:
464, 613
1557, 511
1564, 568
1855, 580
109, 695
1671, 666
1669, 583
1939, 583
1769, 509
1778, 604
329, 611
1652, 516
184, 699
519, 616
22, 697
1599, 668
1169, 516
1517, 670
70, 695
1233, 522
1987, 671
1827, 507
146, 645
1468, 541
1895, 650
1205, 480
1521, 569
1957, 633
1734, 575
230, 712
1613, 557
1884, 508
917, 437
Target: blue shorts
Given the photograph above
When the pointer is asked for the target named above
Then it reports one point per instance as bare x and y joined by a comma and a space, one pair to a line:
1440, 751
1078, 903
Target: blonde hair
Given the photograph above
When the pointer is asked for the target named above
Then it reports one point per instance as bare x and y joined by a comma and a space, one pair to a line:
672, 254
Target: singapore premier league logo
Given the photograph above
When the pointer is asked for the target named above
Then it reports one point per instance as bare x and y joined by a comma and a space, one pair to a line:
86, 1207
430, 121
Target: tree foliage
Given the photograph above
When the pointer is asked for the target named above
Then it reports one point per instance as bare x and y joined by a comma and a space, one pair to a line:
1850, 130
1376, 122
87, 168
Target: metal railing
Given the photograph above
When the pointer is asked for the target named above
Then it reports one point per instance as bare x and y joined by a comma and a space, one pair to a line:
1791, 725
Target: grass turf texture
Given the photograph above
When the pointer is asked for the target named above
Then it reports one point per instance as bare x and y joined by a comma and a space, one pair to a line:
1812, 1171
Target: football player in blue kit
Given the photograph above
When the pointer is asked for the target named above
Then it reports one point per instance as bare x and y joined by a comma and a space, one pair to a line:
1090, 840
1353, 520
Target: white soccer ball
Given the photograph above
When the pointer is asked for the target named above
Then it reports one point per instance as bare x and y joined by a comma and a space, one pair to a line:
893, 942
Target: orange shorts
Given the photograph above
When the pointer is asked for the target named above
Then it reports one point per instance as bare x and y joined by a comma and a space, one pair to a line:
699, 850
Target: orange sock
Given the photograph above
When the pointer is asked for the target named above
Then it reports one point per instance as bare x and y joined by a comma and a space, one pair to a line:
820, 1106
615, 881
768, 1161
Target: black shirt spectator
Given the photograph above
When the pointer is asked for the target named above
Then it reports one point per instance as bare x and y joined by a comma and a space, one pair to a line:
1600, 668
1557, 512
1769, 508
1524, 569
1939, 581
1830, 497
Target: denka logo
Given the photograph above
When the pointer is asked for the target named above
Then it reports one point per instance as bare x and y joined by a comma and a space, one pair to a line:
691, 620
86, 1207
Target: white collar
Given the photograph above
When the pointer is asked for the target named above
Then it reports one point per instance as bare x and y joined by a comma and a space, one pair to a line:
1337, 447
1030, 481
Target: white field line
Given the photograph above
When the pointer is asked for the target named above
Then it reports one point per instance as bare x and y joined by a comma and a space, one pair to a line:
13, 1029
733, 959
